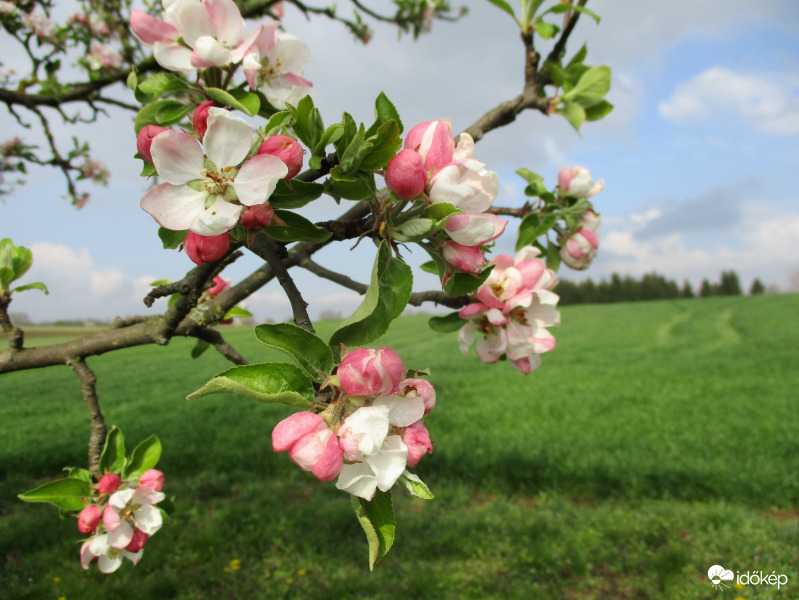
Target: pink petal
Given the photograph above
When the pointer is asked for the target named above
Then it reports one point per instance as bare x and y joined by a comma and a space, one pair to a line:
177, 156
151, 30
227, 21
258, 177
329, 464
292, 428
194, 21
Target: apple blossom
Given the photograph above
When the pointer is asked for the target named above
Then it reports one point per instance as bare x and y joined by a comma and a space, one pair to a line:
406, 175
258, 216
590, 220
205, 248
421, 388
153, 478
311, 444
138, 541
103, 56
466, 185
364, 372
144, 140
469, 259
108, 483
108, 558
131, 509
417, 439
513, 282
474, 229
273, 65
576, 182
433, 141
89, 518
206, 186
580, 249
212, 33
380, 469
286, 149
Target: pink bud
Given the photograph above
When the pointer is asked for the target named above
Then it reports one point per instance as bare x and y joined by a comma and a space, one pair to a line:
417, 438
469, 259
311, 443
108, 483
475, 229
286, 149
138, 541
590, 220
433, 141
153, 479
205, 248
580, 249
258, 216
405, 175
292, 428
421, 388
365, 372
145, 139
200, 118
221, 286
576, 182
89, 518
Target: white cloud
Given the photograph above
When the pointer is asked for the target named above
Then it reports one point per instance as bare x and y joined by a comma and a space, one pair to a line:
770, 103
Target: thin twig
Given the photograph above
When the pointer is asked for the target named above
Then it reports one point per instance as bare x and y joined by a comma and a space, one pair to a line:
213, 337
88, 381
274, 254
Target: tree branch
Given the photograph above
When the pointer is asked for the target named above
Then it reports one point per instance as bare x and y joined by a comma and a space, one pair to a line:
99, 432
213, 337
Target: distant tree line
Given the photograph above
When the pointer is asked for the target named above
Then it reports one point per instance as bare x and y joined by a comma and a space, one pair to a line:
650, 287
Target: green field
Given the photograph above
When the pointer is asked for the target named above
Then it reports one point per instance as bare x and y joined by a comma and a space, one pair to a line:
658, 439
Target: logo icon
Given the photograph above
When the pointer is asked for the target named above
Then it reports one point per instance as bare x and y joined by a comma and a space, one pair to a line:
718, 575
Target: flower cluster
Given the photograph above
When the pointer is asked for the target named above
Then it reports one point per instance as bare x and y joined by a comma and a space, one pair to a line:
121, 518
103, 56
198, 34
371, 431
431, 164
515, 306
579, 249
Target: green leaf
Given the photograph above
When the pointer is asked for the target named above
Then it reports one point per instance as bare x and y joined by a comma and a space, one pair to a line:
147, 169
574, 114
530, 176
295, 193
156, 113
562, 8
199, 348
6, 277
350, 159
592, 86
158, 282
532, 227
132, 80
350, 189
441, 211
308, 124
277, 122
546, 30
349, 131
386, 298
237, 312
171, 239
414, 230
465, 283
331, 135
556, 72
245, 105
249, 100
113, 457
66, 494
7, 254
579, 57
144, 457
81, 474
308, 350
151, 88
296, 229
382, 146
266, 382
501, 4
21, 261
36, 285
415, 485
553, 256
598, 111
446, 323
429, 267
384, 111
378, 522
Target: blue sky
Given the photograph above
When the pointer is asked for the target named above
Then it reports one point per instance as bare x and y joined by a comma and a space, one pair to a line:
699, 157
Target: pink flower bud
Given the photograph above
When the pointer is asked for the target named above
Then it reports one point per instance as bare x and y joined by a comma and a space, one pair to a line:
221, 286
406, 175
576, 182
580, 249
417, 438
311, 443
469, 259
108, 483
258, 216
475, 229
286, 149
590, 220
153, 479
145, 139
89, 518
205, 248
433, 141
420, 388
200, 118
138, 541
292, 428
365, 372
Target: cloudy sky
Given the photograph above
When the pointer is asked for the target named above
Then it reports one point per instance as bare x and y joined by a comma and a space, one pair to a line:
699, 157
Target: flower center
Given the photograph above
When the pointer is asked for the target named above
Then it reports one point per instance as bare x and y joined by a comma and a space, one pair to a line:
216, 182
270, 69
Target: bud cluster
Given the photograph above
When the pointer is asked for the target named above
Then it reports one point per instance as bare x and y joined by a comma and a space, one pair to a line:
370, 432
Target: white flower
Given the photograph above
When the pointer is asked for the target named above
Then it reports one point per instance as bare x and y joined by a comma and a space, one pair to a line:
131, 509
378, 470
207, 185
108, 558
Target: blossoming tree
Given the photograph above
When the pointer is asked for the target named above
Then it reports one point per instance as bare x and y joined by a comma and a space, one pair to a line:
229, 134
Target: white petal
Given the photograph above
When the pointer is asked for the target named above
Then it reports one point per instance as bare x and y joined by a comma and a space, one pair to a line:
121, 498
357, 479
466, 336
98, 545
257, 178
133, 557
146, 495
174, 207
121, 536
390, 462
173, 57
148, 519
210, 52
220, 217
371, 422
177, 156
291, 52
109, 564
402, 410
194, 21
227, 140
227, 21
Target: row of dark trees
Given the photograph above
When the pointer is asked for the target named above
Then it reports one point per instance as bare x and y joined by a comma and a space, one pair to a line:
650, 287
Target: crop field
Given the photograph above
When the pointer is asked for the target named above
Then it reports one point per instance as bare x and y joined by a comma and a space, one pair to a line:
658, 439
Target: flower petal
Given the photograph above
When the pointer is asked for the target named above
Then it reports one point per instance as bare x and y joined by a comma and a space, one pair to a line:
403, 411
357, 479
177, 156
148, 519
174, 207
228, 138
173, 57
121, 536
220, 217
208, 52
194, 21
258, 177
389, 463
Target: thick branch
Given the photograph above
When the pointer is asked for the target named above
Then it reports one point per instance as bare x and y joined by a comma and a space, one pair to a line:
99, 432
16, 337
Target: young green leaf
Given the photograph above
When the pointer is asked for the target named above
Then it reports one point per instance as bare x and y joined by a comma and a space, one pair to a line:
36, 285
532, 227
446, 323
266, 382
296, 228
246, 104
415, 485
144, 457
502, 5
21, 261
309, 351
295, 193
66, 494
574, 114
113, 457
378, 522
171, 239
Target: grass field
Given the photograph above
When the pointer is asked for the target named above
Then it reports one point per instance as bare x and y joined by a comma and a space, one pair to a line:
657, 440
